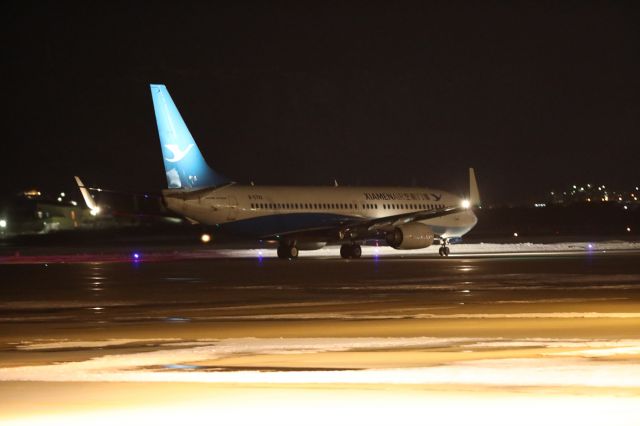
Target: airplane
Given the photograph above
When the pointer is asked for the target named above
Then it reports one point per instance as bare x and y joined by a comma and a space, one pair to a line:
304, 217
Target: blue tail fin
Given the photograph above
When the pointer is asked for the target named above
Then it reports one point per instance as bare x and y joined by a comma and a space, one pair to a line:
183, 162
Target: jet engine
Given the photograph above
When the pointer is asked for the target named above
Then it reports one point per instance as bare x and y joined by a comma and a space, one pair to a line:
410, 236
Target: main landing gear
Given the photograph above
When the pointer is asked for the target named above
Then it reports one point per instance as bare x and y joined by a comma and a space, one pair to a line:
287, 251
350, 251
444, 249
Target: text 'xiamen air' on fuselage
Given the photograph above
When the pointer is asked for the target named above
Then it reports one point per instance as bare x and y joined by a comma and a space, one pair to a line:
303, 217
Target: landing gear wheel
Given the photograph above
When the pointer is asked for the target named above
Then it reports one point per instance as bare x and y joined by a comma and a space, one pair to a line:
287, 252
350, 251
282, 252
444, 251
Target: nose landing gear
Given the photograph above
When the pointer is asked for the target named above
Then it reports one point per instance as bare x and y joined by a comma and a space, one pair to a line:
444, 249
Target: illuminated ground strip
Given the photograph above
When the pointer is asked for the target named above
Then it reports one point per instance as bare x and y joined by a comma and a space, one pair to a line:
554, 362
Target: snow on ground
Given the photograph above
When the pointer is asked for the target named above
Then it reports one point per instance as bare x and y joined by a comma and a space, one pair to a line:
464, 248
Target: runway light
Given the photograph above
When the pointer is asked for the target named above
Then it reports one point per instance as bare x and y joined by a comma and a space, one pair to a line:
465, 204
205, 238
3, 223
628, 229
515, 234
136, 256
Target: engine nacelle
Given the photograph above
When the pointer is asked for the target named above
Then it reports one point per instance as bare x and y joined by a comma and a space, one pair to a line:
410, 236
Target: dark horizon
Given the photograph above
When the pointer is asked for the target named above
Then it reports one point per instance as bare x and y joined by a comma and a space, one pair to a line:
533, 95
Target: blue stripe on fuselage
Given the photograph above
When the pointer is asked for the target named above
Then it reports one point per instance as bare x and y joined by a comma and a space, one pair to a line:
282, 223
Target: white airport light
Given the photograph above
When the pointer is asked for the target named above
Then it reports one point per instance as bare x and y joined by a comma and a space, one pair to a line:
205, 238
62, 194
465, 204
74, 203
515, 234
3, 223
628, 229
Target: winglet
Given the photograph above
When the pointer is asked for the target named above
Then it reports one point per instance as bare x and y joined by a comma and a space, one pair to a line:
88, 199
474, 194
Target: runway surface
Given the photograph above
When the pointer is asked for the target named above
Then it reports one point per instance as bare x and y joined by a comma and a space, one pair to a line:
483, 339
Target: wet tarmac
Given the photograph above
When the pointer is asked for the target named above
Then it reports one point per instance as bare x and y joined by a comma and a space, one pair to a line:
414, 330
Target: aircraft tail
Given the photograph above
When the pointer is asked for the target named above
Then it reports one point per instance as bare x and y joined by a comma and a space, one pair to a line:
183, 163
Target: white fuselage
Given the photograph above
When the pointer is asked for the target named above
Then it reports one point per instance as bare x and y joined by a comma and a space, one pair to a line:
269, 210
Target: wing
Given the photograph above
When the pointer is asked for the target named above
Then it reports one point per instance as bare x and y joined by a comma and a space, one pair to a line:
364, 228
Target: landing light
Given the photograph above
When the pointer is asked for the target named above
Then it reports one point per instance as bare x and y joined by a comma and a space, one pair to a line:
205, 238
465, 204
3, 223
95, 212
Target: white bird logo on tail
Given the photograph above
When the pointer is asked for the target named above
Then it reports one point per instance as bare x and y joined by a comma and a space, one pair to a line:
177, 153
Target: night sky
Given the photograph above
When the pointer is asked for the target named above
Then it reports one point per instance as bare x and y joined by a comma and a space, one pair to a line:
534, 95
